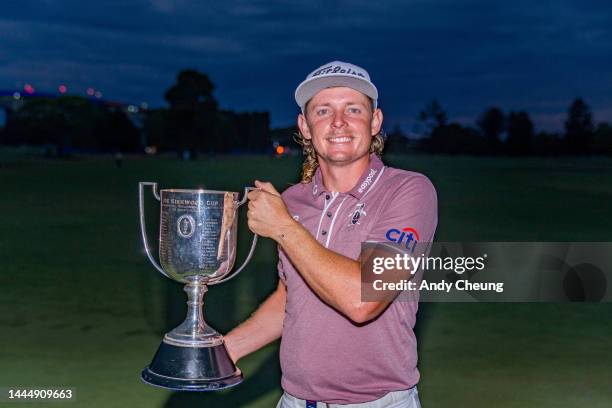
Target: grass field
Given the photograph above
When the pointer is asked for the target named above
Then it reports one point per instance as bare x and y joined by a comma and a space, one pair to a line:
82, 308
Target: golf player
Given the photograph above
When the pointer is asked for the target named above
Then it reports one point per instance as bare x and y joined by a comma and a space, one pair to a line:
337, 350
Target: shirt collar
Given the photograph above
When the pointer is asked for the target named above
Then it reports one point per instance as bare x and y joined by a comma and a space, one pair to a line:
366, 181
317, 186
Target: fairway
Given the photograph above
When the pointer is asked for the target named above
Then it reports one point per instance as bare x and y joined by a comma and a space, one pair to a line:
83, 308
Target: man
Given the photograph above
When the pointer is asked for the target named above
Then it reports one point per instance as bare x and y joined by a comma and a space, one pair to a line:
335, 348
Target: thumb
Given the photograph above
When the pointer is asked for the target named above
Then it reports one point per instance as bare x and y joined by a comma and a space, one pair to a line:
267, 187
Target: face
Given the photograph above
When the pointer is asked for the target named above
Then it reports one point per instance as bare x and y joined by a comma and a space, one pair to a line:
340, 123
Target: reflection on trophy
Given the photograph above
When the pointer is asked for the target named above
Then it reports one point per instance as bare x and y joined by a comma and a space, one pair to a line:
197, 246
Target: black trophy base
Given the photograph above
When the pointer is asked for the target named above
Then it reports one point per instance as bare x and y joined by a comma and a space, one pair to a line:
192, 368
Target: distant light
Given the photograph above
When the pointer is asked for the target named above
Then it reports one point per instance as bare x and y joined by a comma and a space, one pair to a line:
28, 88
151, 150
144, 105
132, 109
62, 89
91, 91
280, 149
98, 94
17, 96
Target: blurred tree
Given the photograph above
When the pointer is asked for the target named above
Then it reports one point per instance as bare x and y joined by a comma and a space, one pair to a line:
71, 122
432, 116
547, 144
454, 139
254, 131
492, 124
227, 135
115, 133
602, 140
579, 128
397, 141
82, 117
40, 121
156, 129
193, 111
520, 131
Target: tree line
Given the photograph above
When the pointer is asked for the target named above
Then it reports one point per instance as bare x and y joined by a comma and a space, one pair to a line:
513, 134
70, 123
193, 124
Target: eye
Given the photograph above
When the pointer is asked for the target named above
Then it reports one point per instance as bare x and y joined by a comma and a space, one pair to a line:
321, 111
354, 110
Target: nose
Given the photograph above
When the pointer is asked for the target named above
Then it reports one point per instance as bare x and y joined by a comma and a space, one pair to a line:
339, 120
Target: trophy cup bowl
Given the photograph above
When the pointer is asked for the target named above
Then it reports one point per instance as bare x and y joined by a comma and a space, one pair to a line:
197, 247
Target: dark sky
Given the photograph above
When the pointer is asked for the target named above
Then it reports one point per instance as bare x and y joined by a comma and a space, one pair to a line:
531, 55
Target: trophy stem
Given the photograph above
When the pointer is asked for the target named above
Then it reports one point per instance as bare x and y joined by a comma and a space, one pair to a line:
195, 304
194, 332
192, 357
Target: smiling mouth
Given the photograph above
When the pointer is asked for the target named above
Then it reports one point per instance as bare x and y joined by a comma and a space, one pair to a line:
340, 139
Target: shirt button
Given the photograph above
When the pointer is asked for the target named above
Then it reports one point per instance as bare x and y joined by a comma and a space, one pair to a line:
329, 213
324, 233
327, 197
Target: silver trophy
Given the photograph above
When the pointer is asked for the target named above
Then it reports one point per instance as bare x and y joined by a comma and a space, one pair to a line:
197, 247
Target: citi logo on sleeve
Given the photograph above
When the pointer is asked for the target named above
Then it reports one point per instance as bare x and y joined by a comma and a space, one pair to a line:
408, 236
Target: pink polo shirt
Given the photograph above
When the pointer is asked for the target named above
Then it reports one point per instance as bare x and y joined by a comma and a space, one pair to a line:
324, 356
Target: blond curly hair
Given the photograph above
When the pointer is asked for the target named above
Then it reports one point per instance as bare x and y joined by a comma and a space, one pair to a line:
310, 165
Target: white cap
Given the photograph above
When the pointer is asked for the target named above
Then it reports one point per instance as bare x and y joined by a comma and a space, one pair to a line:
333, 74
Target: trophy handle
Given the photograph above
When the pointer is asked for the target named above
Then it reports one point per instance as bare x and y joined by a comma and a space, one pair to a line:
143, 230
254, 243
245, 197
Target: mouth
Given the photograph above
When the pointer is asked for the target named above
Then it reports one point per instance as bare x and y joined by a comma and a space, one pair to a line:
340, 139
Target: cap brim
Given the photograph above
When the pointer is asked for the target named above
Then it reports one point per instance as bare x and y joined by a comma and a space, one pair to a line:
310, 87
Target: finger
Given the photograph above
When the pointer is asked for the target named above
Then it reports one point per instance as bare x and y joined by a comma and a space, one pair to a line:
255, 195
266, 186
252, 224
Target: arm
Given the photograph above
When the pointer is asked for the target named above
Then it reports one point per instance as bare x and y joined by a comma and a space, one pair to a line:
263, 327
335, 278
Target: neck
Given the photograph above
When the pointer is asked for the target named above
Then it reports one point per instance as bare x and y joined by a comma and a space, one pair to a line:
343, 178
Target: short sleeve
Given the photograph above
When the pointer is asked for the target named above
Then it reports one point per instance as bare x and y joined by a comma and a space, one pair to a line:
412, 207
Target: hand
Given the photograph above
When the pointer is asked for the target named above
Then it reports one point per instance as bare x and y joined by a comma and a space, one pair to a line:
229, 346
267, 214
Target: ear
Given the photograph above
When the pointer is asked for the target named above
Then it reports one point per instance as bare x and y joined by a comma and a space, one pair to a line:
303, 126
377, 120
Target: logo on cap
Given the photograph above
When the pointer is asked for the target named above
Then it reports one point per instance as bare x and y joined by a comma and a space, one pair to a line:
336, 69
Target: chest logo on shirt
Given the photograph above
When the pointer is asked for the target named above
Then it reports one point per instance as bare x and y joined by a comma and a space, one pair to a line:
357, 214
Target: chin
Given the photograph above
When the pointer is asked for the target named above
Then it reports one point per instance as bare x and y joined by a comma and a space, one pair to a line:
343, 157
